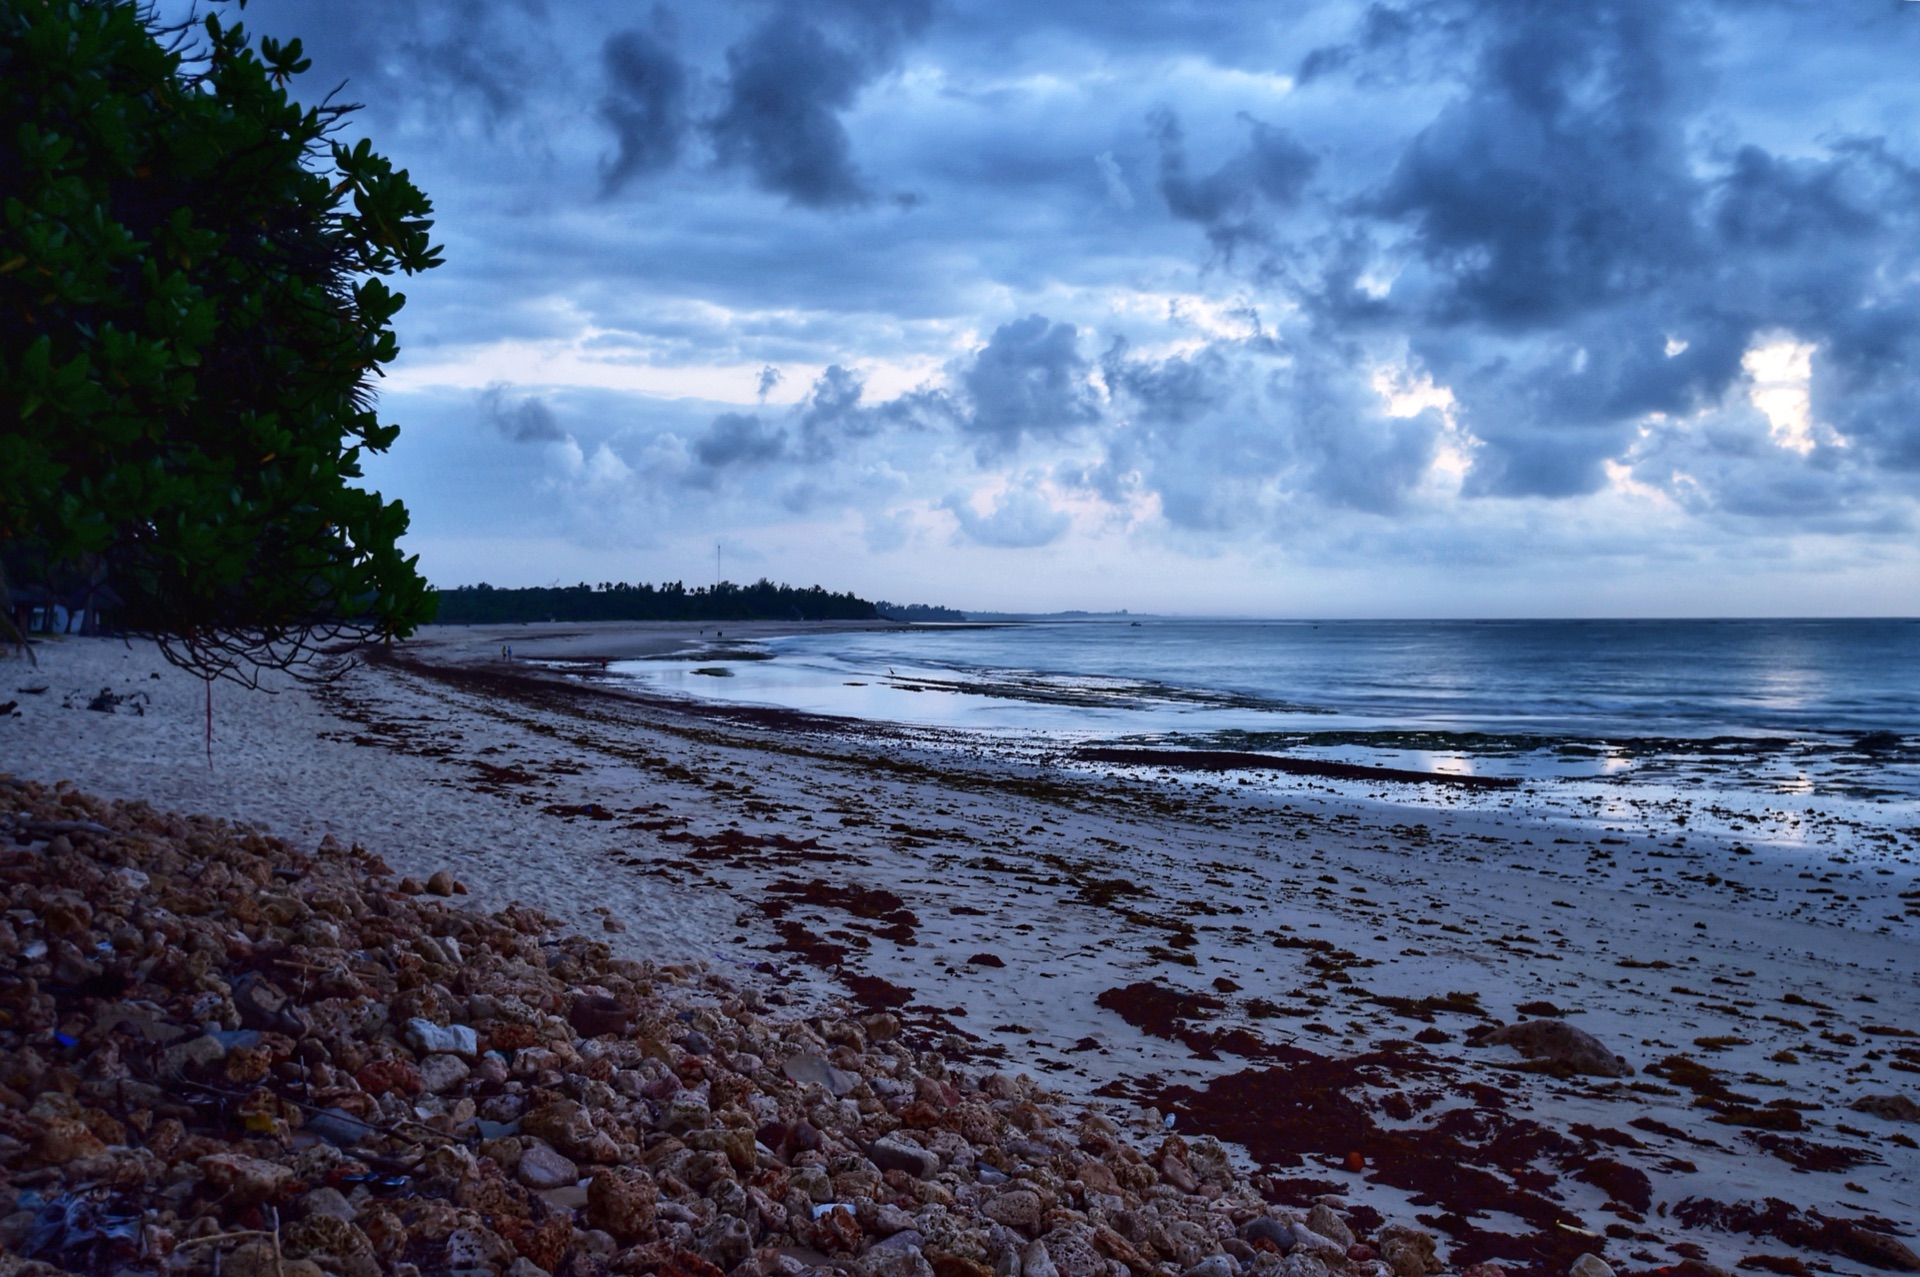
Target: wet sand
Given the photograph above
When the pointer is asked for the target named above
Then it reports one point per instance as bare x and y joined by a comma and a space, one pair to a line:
1308, 973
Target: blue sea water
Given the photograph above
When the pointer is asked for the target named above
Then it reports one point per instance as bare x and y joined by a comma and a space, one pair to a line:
1780, 706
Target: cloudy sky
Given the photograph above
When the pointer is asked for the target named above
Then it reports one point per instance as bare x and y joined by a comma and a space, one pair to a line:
1420, 307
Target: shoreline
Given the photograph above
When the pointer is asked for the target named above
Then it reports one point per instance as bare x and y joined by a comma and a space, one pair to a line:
589, 641
865, 860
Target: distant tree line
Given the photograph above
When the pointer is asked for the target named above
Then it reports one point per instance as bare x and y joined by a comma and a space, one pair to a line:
673, 601
919, 612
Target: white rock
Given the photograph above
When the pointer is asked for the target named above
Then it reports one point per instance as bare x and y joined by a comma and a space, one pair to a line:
450, 1039
1215, 1266
541, 1167
1323, 1221
895, 1261
440, 1073
1590, 1265
813, 1068
1035, 1262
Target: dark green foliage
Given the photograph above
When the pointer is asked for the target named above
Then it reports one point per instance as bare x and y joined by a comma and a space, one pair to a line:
761, 601
191, 315
919, 612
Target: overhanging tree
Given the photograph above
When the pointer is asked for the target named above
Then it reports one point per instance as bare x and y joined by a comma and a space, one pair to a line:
192, 316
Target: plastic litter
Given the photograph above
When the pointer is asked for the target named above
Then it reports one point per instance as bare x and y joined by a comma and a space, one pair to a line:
76, 1231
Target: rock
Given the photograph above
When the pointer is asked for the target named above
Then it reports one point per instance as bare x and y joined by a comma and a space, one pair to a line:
1265, 1228
1485, 1269
836, 1231
441, 1073
1409, 1252
1176, 1173
543, 1167
686, 1112
1560, 1043
621, 1201
524, 1267
594, 1015
567, 1197
815, 1069
252, 1258
327, 1201
1073, 1253
1019, 1208
1310, 1241
898, 1155
480, 1248
890, 1221
66, 1139
1590, 1265
1301, 1264
262, 1005
1036, 1262
948, 1265
726, 1242
1115, 1247
1323, 1221
247, 1180
325, 1235
1895, 1108
194, 1053
1215, 1266
383, 1076
442, 884
429, 1038
895, 1261
565, 1124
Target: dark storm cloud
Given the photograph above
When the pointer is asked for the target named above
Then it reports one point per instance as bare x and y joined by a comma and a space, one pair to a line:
787, 86
1273, 170
1169, 391
1561, 179
527, 420
789, 81
645, 105
456, 54
1029, 381
737, 439
1382, 48
477, 49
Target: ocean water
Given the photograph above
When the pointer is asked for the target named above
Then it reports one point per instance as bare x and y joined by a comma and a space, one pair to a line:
1773, 709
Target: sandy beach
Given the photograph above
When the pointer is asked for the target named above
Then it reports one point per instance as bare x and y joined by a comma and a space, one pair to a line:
1310, 976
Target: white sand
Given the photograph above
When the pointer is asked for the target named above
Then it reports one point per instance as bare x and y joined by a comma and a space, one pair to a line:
992, 859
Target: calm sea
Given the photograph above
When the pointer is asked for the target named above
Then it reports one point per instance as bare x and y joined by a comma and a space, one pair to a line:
1787, 707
